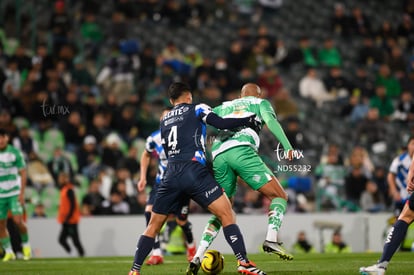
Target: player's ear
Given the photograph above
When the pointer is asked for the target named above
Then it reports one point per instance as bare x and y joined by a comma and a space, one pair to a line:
172, 102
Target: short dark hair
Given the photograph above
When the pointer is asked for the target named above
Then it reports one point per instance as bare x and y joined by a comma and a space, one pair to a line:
176, 89
3, 132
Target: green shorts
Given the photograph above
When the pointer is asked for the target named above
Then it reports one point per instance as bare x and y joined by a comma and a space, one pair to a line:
10, 203
240, 161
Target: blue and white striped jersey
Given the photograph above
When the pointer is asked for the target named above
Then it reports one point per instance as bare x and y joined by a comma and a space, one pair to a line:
399, 167
153, 144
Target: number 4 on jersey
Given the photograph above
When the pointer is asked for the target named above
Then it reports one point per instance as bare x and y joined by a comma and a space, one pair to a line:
172, 138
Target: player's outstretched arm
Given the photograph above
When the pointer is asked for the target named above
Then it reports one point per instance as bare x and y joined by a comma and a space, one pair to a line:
269, 117
230, 123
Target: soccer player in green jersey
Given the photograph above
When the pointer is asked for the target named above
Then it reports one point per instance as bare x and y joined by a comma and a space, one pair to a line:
236, 154
12, 186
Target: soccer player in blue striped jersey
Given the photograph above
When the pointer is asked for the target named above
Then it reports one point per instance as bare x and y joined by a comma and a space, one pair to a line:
397, 177
183, 132
404, 179
154, 146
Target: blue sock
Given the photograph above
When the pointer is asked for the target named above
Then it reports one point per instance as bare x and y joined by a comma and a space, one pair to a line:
157, 242
394, 240
144, 247
187, 229
235, 240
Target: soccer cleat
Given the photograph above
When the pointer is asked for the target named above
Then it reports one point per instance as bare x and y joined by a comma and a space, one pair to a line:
277, 248
372, 270
9, 256
249, 268
133, 272
27, 252
154, 260
191, 251
193, 267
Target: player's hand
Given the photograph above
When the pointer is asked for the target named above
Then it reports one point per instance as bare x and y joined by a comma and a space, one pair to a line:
410, 185
141, 185
21, 198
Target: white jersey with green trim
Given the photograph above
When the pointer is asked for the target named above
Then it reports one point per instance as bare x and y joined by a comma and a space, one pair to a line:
11, 162
241, 107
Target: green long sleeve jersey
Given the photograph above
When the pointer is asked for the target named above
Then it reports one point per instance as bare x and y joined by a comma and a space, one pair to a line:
244, 107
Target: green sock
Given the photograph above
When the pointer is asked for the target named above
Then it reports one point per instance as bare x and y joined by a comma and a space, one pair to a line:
277, 210
25, 237
209, 234
211, 230
6, 244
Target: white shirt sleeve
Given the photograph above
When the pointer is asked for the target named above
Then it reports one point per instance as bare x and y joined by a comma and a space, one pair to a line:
394, 165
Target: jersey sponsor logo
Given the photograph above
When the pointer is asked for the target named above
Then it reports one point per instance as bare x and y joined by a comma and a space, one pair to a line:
209, 192
173, 120
176, 112
233, 238
174, 152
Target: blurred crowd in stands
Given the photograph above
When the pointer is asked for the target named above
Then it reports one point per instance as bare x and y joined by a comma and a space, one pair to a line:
83, 98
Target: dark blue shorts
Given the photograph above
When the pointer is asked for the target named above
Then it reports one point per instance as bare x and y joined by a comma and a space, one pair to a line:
184, 181
181, 214
151, 195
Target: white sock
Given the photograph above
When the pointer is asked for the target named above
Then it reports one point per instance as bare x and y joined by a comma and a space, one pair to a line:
271, 235
201, 250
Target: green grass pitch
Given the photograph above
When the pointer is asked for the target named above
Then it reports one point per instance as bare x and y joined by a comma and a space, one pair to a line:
317, 264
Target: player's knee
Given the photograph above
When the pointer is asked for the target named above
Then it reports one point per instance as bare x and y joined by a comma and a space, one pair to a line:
226, 218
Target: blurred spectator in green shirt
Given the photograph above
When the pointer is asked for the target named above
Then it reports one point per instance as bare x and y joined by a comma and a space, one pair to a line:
329, 55
390, 82
382, 102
